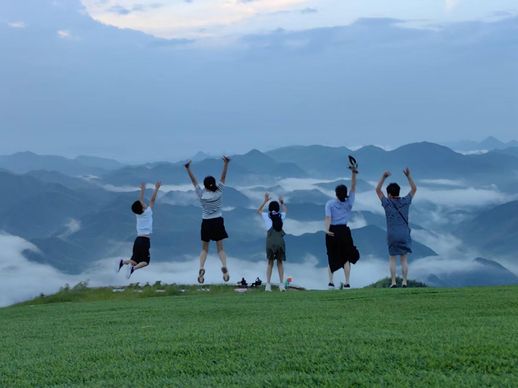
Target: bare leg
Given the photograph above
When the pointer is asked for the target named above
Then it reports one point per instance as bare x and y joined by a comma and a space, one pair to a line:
221, 253
330, 275
347, 271
280, 267
404, 268
393, 270
223, 258
269, 268
203, 254
140, 265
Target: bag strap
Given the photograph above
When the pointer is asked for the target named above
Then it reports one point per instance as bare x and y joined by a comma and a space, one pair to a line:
399, 211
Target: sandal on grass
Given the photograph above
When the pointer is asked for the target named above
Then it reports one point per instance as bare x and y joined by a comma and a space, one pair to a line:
226, 276
201, 279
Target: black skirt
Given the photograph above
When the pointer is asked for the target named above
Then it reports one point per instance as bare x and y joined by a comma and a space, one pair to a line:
213, 229
340, 247
141, 248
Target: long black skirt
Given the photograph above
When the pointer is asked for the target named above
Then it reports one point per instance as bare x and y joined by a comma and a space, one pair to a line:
340, 247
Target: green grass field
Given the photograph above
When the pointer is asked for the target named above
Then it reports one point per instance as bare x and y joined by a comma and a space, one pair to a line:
367, 337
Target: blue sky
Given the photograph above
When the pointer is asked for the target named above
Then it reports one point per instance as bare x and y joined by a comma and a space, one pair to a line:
139, 80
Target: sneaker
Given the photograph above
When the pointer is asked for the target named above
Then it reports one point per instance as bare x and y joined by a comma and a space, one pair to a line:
347, 285
393, 286
331, 286
120, 265
130, 271
268, 287
281, 287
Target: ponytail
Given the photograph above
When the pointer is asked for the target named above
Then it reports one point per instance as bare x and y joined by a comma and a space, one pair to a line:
275, 215
276, 220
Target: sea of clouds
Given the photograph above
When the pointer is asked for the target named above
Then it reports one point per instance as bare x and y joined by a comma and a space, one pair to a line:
23, 279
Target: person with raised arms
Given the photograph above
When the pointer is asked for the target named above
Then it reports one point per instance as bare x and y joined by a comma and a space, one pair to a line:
275, 244
144, 215
341, 251
213, 225
398, 227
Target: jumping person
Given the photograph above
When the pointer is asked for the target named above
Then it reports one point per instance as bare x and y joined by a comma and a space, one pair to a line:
341, 251
212, 226
398, 228
275, 245
142, 244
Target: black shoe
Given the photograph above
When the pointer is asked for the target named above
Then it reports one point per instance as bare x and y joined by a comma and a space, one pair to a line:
393, 286
347, 285
404, 286
331, 286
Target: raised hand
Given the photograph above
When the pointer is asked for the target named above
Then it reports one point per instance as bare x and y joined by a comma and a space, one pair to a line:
281, 199
266, 197
406, 171
157, 185
226, 159
386, 174
188, 164
142, 186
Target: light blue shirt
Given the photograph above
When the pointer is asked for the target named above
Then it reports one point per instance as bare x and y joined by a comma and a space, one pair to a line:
340, 212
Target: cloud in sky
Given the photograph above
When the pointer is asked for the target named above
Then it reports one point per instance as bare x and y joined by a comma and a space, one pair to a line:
451, 4
64, 34
17, 24
219, 18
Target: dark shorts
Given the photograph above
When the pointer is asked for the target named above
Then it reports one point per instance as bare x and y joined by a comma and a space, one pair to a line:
141, 248
340, 247
213, 229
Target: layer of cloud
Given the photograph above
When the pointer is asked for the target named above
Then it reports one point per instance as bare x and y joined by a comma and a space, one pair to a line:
17, 24
23, 279
213, 18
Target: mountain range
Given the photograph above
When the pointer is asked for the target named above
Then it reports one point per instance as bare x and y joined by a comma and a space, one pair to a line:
76, 211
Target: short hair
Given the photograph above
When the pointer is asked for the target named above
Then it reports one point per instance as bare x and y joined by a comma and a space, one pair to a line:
341, 192
137, 207
274, 207
210, 183
393, 189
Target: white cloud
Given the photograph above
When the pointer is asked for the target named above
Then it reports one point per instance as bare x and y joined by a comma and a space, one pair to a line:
298, 228
225, 18
23, 279
64, 34
72, 226
450, 5
17, 24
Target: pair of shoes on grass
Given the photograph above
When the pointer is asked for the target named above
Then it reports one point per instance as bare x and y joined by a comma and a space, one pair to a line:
343, 286
268, 287
129, 271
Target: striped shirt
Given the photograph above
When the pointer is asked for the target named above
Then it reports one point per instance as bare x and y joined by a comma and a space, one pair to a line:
211, 201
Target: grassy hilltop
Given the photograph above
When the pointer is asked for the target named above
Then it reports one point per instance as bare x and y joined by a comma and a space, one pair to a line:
368, 337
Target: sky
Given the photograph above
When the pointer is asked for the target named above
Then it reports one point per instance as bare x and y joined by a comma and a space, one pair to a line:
152, 80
